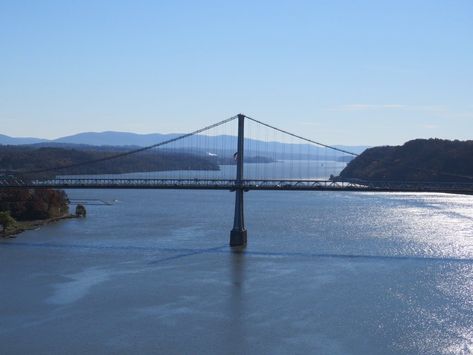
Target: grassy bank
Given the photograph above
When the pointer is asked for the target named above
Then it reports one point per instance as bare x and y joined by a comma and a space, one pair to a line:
20, 226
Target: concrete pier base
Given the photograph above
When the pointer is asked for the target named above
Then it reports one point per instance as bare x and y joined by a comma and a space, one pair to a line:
238, 237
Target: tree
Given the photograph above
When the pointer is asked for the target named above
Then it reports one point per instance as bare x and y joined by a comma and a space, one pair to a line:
6, 221
23, 204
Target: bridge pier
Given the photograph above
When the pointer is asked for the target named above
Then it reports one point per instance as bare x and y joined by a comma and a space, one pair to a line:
238, 235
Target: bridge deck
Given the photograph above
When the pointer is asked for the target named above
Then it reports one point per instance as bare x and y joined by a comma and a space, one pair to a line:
247, 184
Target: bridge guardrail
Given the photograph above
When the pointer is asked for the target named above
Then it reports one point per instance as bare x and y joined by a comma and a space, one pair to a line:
247, 184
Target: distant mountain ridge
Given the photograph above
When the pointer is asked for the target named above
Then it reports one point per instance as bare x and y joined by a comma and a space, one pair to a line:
115, 138
4, 140
112, 138
109, 138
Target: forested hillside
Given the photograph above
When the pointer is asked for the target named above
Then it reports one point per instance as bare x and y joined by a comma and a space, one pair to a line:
416, 160
14, 159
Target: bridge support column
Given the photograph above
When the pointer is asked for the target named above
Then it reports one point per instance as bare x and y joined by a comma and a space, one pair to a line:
238, 235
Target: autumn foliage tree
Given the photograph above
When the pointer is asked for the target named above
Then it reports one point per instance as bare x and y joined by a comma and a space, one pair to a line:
31, 204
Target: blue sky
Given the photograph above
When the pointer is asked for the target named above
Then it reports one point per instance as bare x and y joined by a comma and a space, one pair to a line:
341, 72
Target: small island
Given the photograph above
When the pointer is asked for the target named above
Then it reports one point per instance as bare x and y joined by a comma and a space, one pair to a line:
432, 160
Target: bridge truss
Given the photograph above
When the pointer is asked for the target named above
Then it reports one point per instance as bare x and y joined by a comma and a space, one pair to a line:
248, 185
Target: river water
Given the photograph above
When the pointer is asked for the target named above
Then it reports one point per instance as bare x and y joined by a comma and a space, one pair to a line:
323, 272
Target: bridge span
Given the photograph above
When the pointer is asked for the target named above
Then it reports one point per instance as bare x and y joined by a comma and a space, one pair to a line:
246, 185
226, 150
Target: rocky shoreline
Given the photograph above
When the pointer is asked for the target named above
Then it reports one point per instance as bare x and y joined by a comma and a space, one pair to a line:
22, 226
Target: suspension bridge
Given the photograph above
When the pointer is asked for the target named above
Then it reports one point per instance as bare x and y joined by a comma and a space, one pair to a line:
259, 156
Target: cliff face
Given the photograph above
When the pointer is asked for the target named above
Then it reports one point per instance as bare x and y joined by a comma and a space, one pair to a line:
416, 160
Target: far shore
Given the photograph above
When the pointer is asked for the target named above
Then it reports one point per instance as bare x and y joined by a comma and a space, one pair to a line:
22, 226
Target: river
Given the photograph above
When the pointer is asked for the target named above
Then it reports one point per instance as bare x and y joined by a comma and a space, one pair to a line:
323, 272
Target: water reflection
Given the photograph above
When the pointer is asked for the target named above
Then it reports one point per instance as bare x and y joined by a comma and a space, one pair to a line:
238, 265
237, 334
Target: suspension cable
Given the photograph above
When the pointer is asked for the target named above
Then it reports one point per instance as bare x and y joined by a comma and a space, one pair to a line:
119, 155
304, 139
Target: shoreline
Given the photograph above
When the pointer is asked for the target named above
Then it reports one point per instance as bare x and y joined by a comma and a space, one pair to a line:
23, 226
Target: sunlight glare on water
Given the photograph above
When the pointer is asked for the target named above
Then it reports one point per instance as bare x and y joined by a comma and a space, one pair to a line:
323, 272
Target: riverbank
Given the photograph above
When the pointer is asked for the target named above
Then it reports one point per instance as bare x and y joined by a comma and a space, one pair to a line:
22, 226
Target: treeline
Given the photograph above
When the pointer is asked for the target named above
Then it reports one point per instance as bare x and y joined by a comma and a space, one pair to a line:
29, 204
45, 161
416, 160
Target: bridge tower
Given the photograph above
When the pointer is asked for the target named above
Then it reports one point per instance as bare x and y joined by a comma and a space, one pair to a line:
238, 235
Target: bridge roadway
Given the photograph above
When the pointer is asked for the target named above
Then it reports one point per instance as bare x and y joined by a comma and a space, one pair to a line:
247, 185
